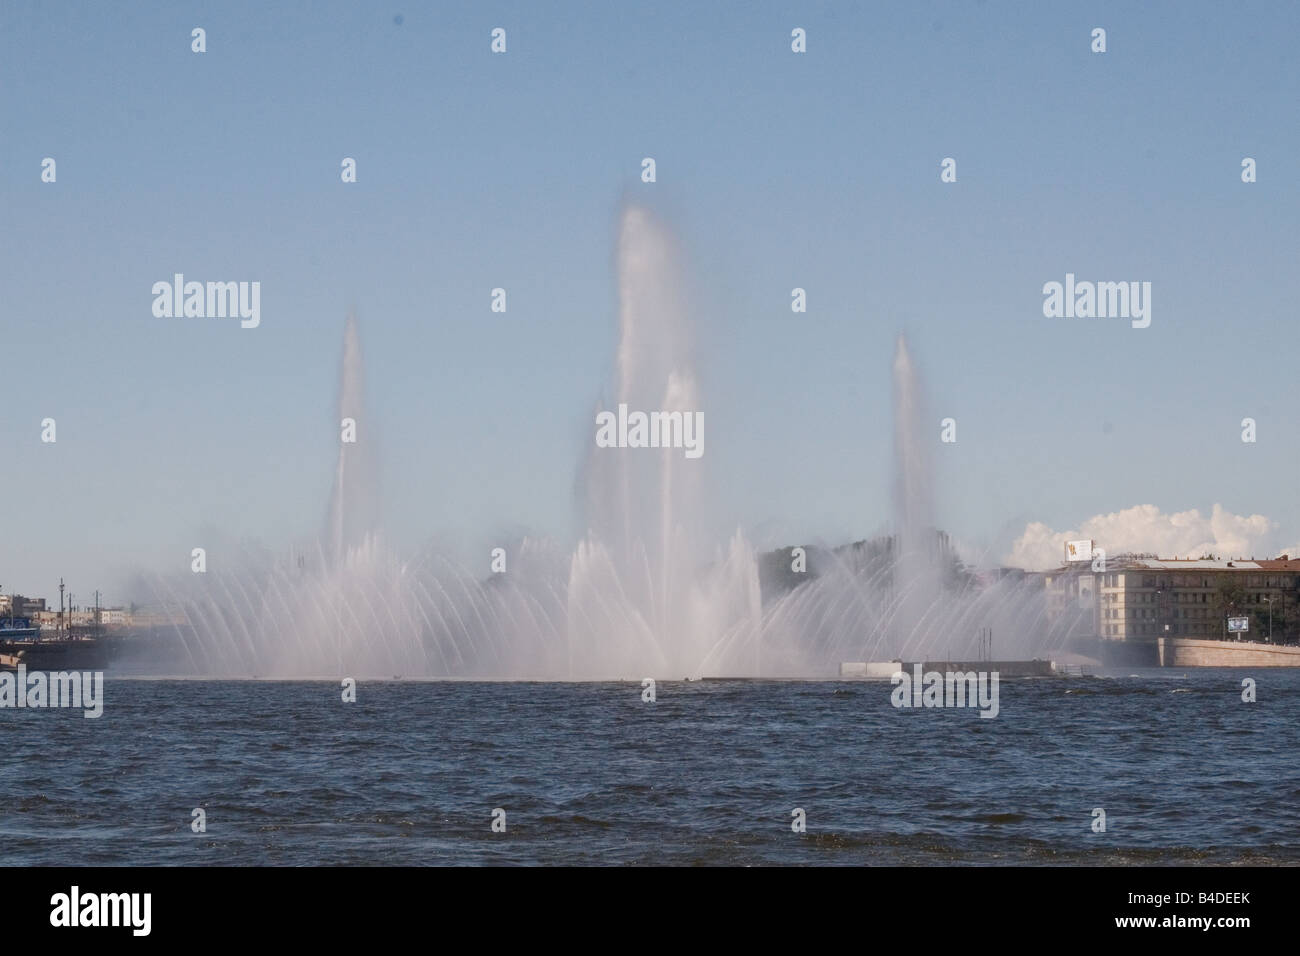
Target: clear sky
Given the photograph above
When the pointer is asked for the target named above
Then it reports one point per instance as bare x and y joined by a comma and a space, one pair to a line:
819, 170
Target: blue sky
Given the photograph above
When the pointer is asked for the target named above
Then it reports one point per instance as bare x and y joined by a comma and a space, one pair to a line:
775, 170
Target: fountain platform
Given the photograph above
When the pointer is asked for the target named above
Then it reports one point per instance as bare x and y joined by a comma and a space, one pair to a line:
884, 670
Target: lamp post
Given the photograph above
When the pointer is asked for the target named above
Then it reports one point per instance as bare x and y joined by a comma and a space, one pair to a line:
1270, 619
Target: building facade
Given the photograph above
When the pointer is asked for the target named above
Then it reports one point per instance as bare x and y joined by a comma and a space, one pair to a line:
1140, 599
20, 606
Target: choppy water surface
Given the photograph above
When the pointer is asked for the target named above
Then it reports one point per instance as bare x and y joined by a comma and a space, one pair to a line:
708, 774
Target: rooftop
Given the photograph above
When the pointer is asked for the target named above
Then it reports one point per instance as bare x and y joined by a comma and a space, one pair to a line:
1284, 563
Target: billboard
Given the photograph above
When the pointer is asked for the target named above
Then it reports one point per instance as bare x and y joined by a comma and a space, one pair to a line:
1237, 624
1078, 551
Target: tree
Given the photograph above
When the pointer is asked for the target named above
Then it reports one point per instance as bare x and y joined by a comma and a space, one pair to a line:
1230, 600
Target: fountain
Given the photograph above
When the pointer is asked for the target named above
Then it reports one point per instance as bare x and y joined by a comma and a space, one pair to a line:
645, 596
642, 593
904, 595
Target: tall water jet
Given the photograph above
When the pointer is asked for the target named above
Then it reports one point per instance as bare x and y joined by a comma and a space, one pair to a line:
918, 556
881, 599
353, 511
913, 483
644, 593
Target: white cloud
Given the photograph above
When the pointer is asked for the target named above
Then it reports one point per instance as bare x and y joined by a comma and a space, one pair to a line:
1145, 528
